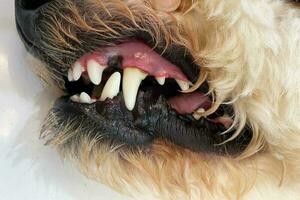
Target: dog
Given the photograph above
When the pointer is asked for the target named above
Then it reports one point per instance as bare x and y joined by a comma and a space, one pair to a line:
190, 99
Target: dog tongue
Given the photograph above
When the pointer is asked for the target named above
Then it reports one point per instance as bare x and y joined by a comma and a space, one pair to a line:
188, 103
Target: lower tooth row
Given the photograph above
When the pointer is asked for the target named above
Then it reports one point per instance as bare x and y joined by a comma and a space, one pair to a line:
132, 78
82, 98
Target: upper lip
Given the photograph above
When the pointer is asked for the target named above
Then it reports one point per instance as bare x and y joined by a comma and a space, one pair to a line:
35, 42
174, 53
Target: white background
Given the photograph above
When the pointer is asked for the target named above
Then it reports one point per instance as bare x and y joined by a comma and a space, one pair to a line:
28, 169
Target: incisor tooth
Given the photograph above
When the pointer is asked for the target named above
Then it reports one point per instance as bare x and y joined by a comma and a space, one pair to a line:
132, 78
77, 71
161, 80
75, 98
112, 86
184, 85
85, 98
95, 71
70, 75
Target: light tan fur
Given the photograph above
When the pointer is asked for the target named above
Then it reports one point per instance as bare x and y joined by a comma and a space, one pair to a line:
250, 52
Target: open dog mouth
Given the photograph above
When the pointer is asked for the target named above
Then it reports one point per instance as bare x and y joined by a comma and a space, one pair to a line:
141, 68
131, 85
128, 90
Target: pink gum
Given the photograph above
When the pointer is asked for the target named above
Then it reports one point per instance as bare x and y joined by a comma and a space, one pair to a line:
139, 55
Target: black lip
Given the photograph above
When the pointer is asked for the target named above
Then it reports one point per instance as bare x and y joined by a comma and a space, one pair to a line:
115, 127
151, 119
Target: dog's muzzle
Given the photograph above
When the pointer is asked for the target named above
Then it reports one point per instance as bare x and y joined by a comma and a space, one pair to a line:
156, 109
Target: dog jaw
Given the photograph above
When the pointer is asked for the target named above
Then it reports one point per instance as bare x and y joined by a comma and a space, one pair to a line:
239, 50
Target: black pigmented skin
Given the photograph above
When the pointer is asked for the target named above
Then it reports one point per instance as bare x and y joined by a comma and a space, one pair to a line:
151, 119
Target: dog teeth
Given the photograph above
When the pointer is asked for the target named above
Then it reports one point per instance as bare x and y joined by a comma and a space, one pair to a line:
201, 110
82, 98
161, 80
132, 78
184, 85
75, 98
199, 113
77, 71
95, 71
70, 75
112, 87
85, 98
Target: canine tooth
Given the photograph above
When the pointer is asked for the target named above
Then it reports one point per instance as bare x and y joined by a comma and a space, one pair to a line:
77, 71
70, 75
132, 78
184, 85
95, 71
112, 86
75, 98
85, 98
161, 80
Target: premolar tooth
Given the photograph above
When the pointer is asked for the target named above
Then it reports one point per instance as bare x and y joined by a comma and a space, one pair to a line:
77, 71
112, 86
201, 110
184, 85
70, 75
196, 116
95, 71
85, 98
199, 113
132, 78
75, 98
161, 80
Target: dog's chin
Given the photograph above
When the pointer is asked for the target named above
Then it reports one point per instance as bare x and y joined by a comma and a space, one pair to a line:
159, 111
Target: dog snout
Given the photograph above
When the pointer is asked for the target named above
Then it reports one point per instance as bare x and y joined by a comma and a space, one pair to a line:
27, 11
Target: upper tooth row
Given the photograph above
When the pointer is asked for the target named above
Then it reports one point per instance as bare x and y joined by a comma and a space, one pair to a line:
94, 70
132, 78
